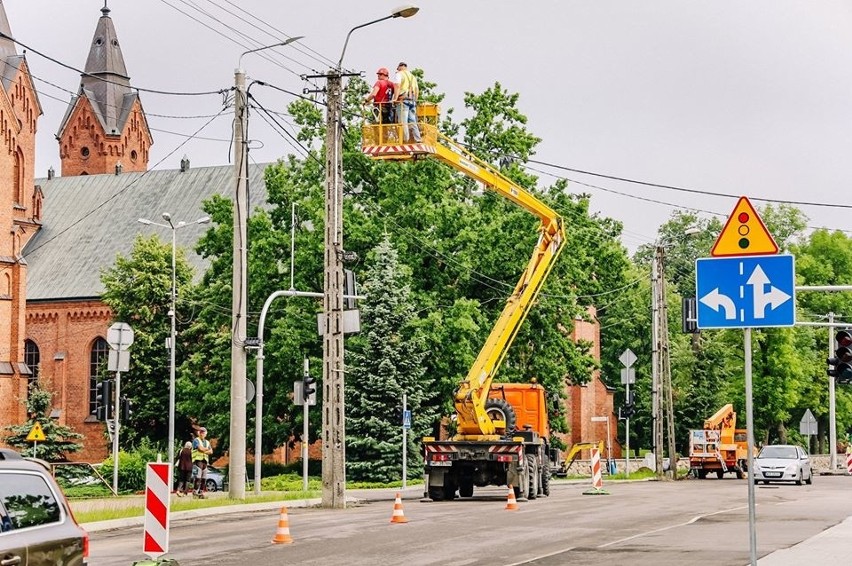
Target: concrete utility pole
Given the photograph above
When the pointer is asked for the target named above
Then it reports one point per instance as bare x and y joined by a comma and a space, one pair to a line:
237, 447
333, 413
656, 361
665, 358
832, 415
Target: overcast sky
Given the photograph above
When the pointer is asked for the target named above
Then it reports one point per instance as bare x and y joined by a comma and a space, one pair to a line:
728, 97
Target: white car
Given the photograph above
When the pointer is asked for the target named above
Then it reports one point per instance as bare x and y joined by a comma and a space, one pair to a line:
782, 462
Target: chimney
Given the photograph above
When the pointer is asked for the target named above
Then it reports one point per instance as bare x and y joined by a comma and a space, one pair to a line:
118, 167
51, 173
184, 164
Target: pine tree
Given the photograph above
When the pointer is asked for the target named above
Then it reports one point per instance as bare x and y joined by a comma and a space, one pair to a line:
385, 361
60, 439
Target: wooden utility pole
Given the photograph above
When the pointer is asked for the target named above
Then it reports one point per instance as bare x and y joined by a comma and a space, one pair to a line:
656, 362
662, 375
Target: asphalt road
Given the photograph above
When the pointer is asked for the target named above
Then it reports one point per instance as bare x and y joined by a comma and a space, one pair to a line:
639, 523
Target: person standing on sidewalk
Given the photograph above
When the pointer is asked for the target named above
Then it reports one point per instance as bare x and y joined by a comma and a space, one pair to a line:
201, 451
184, 467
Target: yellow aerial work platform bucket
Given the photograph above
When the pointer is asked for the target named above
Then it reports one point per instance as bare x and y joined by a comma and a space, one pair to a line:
385, 140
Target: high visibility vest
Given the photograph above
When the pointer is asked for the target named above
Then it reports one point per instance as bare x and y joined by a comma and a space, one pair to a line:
198, 454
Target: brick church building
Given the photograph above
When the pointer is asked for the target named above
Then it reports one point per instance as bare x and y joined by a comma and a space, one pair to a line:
59, 232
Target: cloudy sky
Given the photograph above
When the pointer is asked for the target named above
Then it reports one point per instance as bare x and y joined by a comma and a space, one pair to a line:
712, 99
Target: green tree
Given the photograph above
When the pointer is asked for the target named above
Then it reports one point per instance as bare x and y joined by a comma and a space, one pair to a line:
60, 440
385, 362
138, 290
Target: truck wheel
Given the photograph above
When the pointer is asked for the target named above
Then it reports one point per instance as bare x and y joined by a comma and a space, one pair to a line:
449, 491
545, 483
466, 487
702, 474
720, 474
532, 474
436, 493
500, 409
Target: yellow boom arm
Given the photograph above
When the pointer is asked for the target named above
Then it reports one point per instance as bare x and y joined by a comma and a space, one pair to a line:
382, 141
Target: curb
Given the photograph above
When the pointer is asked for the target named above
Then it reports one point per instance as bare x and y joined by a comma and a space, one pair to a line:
113, 524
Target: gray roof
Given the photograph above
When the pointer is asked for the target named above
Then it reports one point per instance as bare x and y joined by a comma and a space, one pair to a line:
7, 46
88, 220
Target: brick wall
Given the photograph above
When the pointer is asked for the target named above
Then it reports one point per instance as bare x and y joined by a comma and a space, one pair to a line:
65, 332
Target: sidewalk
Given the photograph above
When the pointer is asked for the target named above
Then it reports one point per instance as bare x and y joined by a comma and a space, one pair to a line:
833, 544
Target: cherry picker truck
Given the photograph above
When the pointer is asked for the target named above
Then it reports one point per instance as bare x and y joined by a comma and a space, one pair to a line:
502, 429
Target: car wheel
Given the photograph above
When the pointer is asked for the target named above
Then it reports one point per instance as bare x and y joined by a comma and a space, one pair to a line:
810, 479
211, 485
799, 480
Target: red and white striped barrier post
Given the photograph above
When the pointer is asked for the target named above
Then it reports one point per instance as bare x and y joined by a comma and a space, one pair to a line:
849, 462
156, 534
597, 479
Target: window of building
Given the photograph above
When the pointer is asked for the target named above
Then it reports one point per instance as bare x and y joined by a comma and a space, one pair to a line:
97, 364
32, 357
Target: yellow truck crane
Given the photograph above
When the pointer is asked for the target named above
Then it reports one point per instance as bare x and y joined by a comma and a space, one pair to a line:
719, 447
503, 434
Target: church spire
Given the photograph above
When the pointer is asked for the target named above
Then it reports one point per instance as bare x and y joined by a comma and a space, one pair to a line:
105, 128
7, 46
106, 77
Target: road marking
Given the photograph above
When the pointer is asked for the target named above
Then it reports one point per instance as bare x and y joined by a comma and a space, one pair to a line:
661, 529
542, 557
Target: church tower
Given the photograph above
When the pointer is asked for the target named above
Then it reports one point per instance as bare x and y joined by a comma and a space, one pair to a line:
104, 129
20, 215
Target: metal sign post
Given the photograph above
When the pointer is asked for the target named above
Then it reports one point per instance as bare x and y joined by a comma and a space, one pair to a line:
119, 337
406, 424
628, 376
808, 426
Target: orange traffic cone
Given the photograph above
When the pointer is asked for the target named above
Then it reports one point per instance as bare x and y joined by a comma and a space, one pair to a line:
282, 534
398, 515
512, 503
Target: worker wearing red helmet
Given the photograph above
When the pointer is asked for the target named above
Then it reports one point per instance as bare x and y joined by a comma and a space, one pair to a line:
382, 96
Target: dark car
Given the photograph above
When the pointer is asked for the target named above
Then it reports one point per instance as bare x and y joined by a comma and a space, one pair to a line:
36, 524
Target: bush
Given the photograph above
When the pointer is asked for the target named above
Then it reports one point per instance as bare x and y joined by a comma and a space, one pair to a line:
132, 467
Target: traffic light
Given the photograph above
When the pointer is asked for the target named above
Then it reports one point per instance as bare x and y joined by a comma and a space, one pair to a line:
310, 390
103, 400
126, 409
840, 366
629, 408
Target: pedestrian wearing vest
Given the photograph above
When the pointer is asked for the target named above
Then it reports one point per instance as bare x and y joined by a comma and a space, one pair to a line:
201, 451
407, 92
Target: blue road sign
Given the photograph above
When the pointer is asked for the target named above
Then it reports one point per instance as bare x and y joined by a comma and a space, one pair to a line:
406, 419
746, 292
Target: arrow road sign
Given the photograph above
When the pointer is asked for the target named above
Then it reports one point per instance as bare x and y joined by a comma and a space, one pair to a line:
746, 292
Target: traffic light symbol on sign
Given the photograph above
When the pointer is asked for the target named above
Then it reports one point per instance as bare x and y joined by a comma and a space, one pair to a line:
744, 234
840, 366
310, 390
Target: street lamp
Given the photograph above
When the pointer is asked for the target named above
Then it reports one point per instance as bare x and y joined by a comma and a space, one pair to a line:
174, 227
402, 12
239, 292
333, 413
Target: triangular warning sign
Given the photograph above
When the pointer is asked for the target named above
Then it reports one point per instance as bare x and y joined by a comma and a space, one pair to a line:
744, 234
36, 434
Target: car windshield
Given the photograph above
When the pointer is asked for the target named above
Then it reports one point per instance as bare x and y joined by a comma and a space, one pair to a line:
783, 452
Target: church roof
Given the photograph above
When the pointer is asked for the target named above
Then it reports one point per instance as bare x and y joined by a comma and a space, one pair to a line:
88, 220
